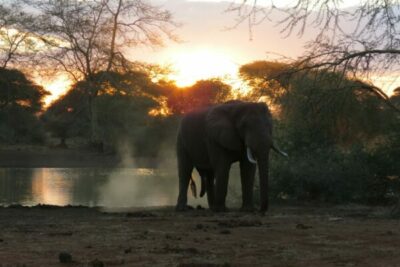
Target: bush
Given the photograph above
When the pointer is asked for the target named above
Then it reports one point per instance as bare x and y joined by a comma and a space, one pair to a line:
18, 125
331, 175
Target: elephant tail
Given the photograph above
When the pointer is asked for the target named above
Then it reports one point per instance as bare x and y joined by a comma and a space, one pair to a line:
277, 150
193, 187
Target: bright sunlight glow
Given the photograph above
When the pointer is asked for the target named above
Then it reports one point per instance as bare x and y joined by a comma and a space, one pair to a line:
191, 66
57, 87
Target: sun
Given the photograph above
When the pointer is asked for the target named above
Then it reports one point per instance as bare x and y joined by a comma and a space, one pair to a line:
57, 87
200, 64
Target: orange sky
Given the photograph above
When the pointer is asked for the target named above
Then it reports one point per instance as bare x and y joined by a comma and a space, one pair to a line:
209, 50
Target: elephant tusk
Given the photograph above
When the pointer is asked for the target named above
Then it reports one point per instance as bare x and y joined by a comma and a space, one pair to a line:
250, 156
277, 150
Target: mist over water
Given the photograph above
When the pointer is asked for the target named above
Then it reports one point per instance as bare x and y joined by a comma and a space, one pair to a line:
140, 187
122, 187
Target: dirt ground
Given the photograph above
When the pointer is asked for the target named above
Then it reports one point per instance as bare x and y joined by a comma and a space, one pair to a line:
286, 236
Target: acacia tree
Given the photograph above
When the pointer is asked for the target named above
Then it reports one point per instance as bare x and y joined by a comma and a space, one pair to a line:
84, 38
201, 94
358, 41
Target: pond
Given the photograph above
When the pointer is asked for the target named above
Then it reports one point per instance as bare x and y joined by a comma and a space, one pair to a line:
108, 187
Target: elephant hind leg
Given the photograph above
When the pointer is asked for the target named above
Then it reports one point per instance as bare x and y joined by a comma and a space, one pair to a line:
185, 168
207, 185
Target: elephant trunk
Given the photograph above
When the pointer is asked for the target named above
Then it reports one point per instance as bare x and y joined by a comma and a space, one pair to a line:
203, 186
263, 169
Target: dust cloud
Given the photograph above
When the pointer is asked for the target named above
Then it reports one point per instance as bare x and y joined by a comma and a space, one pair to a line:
132, 186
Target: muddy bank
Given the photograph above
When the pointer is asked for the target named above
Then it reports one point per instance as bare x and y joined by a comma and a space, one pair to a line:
287, 236
35, 157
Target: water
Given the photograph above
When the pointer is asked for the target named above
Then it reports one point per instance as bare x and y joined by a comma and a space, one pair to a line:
108, 187
123, 187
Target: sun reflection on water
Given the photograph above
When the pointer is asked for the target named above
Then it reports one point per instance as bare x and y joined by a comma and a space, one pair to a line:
49, 186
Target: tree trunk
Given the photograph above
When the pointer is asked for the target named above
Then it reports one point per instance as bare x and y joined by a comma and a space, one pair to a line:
95, 138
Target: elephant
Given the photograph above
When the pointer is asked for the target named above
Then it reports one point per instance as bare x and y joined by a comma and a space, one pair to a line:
212, 138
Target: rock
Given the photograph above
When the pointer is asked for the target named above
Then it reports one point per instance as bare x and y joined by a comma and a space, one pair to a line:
128, 250
64, 257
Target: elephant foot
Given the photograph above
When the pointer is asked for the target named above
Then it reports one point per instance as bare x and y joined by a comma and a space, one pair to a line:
182, 208
247, 209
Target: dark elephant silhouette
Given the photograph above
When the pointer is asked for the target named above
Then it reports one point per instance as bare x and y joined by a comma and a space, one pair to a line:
213, 138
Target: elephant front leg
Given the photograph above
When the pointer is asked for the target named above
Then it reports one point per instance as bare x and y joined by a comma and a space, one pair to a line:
221, 184
247, 174
210, 190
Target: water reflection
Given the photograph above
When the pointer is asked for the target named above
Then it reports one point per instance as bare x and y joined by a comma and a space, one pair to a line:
50, 187
123, 187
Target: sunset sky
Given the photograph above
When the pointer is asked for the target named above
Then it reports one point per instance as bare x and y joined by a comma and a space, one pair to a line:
207, 49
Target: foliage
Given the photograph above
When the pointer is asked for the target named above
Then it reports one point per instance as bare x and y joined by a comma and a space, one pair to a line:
360, 42
16, 41
122, 112
342, 140
314, 109
203, 93
331, 175
68, 116
20, 102
86, 37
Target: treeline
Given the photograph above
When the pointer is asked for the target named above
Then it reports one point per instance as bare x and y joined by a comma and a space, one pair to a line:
343, 141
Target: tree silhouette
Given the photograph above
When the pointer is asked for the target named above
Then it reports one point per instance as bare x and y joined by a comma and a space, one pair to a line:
312, 106
16, 41
358, 42
20, 102
203, 93
84, 38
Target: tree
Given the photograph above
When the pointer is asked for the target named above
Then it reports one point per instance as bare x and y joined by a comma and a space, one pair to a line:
84, 38
20, 102
203, 93
68, 116
16, 42
313, 109
359, 42
16, 90
123, 103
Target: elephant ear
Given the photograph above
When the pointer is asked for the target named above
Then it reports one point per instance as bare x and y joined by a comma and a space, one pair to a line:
221, 128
